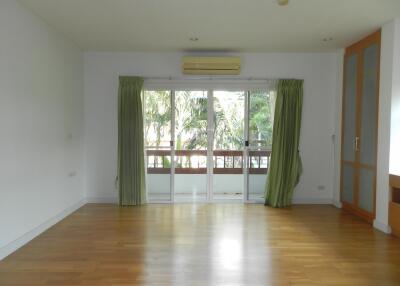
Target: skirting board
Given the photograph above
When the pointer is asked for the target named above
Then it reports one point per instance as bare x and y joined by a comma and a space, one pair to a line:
382, 227
19, 242
337, 204
312, 201
102, 200
296, 201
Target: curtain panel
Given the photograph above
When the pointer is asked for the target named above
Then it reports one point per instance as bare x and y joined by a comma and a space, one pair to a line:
131, 164
285, 167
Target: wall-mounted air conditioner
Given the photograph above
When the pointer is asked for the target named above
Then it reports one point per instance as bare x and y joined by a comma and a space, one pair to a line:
211, 65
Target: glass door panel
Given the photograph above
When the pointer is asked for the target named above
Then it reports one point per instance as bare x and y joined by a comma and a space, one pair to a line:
228, 142
348, 173
157, 132
368, 106
261, 106
258, 164
366, 189
350, 106
349, 129
190, 178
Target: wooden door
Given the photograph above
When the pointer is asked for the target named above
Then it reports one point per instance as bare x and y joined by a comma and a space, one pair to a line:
360, 126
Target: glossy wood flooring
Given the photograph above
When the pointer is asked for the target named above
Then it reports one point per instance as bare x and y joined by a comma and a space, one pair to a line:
206, 244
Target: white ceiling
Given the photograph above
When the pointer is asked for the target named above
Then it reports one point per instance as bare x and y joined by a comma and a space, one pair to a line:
220, 25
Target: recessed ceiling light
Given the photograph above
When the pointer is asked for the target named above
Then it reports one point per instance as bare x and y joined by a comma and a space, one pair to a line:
283, 2
193, 39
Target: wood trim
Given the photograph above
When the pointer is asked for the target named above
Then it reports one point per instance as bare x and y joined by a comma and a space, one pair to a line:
359, 165
228, 171
394, 181
394, 206
190, 152
396, 195
158, 152
258, 171
363, 43
394, 218
260, 153
158, 170
227, 153
190, 170
355, 210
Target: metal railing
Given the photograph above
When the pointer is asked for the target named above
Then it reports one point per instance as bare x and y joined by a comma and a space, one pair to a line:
195, 161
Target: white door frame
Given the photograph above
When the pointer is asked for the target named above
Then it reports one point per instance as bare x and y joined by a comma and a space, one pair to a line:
172, 178
210, 138
210, 143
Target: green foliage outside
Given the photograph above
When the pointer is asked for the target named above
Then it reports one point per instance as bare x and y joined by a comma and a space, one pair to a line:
191, 119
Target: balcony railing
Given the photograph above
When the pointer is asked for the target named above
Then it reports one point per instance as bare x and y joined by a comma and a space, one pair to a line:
195, 161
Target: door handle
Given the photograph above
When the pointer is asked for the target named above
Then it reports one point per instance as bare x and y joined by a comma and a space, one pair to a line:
356, 144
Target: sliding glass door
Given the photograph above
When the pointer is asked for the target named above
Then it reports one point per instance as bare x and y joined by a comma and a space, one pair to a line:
191, 145
261, 104
228, 145
158, 144
207, 145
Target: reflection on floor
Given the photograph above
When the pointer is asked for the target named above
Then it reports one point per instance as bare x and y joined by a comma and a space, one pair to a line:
206, 244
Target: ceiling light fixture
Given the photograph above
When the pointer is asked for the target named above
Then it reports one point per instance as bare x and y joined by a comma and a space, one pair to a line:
283, 2
327, 39
193, 39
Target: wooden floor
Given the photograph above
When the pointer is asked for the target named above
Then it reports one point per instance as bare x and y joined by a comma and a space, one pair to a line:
206, 244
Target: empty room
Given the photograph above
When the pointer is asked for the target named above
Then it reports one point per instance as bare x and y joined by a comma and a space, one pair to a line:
213, 142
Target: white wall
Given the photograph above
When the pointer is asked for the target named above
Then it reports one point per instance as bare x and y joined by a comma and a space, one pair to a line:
319, 114
394, 164
389, 120
41, 118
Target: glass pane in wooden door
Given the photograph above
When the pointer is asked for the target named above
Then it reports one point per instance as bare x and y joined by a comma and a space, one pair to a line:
350, 103
366, 189
368, 106
347, 183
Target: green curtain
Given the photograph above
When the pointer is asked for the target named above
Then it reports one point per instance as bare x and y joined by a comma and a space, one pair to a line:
131, 176
285, 165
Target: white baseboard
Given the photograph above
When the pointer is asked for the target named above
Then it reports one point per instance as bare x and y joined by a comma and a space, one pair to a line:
14, 245
337, 204
382, 226
312, 201
102, 200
